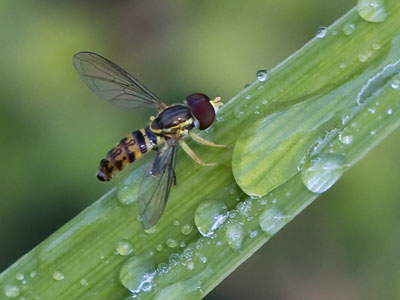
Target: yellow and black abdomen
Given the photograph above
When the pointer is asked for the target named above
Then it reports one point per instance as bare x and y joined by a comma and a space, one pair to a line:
128, 150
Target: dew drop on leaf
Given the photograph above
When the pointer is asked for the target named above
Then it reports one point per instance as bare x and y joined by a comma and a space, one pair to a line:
322, 171
372, 10
11, 290
209, 216
137, 274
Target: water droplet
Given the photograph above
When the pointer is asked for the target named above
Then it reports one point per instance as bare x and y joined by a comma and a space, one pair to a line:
244, 207
172, 243
345, 138
265, 101
125, 195
186, 229
209, 216
180, 290
362, 58
174, 259
343, 65
234, 236
176, 223
272, 220
262, 75
348, 28
188, 253
11, 290
203, 259
190, 265
395, 84
151, 230
248, 97
262, 201
322, 172
253, 233
389, 111
376, 46
159, 247
137, 274
32, 274
84, 282
124, 247
162, 268
372, 110
372, 10
19, 276
57, 275
373, 132
321, 33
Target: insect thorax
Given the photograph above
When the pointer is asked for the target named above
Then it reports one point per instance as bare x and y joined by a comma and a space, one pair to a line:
173, 120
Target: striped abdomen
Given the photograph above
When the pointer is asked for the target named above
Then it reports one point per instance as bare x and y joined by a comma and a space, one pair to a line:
127, 151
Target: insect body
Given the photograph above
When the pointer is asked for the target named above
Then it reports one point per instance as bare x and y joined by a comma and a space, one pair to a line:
128, 150
166, 130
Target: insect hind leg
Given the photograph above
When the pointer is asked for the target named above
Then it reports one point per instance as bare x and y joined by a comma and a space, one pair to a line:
205, 142
193, 155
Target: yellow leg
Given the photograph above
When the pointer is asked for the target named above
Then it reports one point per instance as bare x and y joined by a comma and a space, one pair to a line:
193, 155
199, 139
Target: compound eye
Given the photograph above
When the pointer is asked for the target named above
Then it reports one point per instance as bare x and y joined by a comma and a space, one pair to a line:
201, 109
195, 97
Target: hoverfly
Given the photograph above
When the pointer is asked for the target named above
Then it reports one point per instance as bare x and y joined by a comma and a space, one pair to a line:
164, 133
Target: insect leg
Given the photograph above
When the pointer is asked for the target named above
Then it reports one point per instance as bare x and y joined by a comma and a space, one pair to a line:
193, 155
200, 140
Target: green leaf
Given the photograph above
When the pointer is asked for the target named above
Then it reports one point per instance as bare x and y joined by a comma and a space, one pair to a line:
294, 134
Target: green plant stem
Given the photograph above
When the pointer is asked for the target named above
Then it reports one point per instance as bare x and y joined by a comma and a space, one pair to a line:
189, 264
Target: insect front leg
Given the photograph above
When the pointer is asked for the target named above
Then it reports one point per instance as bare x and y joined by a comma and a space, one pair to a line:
202, 141
193, 155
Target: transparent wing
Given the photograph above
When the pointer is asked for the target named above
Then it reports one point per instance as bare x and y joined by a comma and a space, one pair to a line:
112, 83
156, 184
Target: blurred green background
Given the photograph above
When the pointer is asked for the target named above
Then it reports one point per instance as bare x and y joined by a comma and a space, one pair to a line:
54, 131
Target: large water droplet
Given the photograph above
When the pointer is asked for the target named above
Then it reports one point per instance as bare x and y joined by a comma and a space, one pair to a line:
209, 216
234, 236
272, 220
126, 195
57, 275
372, 10
124, 247
323, 171
321, 33
128, 189
137, 274
11, 290
262, 75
